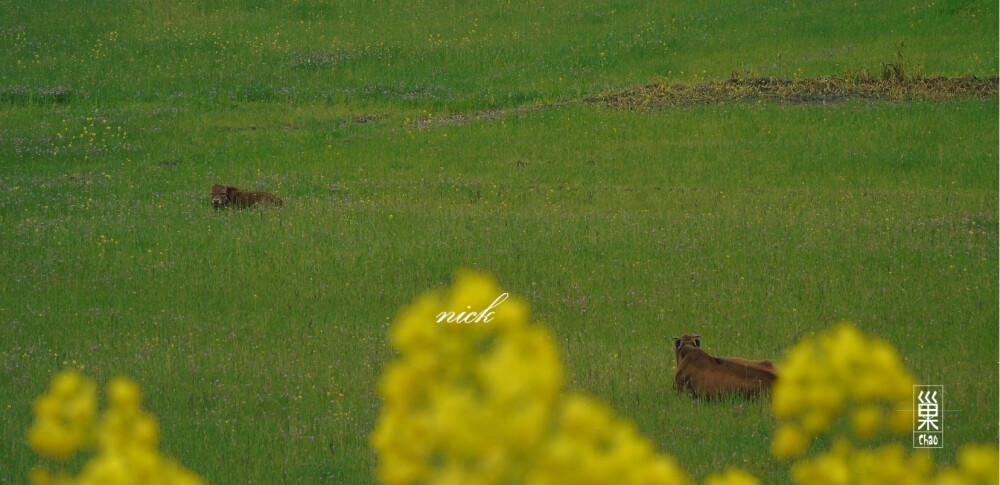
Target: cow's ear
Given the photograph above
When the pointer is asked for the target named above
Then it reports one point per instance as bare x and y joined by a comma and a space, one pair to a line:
697, 343
677, 343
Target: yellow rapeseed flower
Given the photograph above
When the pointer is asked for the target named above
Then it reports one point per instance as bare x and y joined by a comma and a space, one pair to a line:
732, 476
590, 445
841, 370
900, 417
866, 421
844, 464
125, 439
979, 463
789, 441
124, 395
469, 397
64, 416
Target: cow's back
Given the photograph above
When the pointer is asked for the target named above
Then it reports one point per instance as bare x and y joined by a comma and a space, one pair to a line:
708, 376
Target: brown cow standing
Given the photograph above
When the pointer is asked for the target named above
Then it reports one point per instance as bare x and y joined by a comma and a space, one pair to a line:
224, 195
707, 376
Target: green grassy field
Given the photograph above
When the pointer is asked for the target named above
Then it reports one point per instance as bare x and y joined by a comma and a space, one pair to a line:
410, 140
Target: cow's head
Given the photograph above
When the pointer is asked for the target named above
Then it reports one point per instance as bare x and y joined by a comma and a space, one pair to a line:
686, 341
220, 195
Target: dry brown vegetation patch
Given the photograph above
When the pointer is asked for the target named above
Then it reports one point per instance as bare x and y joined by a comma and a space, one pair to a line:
893, 85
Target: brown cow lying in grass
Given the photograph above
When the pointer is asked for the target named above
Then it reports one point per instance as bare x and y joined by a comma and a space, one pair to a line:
707, 376
226, 195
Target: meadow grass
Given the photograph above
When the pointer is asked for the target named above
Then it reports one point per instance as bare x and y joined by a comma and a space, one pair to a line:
436, 56
258, 336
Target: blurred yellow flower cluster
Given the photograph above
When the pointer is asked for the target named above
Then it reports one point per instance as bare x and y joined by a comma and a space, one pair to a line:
845, 464
482, 402
732, 476
839, 371
844, 372
889, 464
126, 438
589, 445
64, 416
